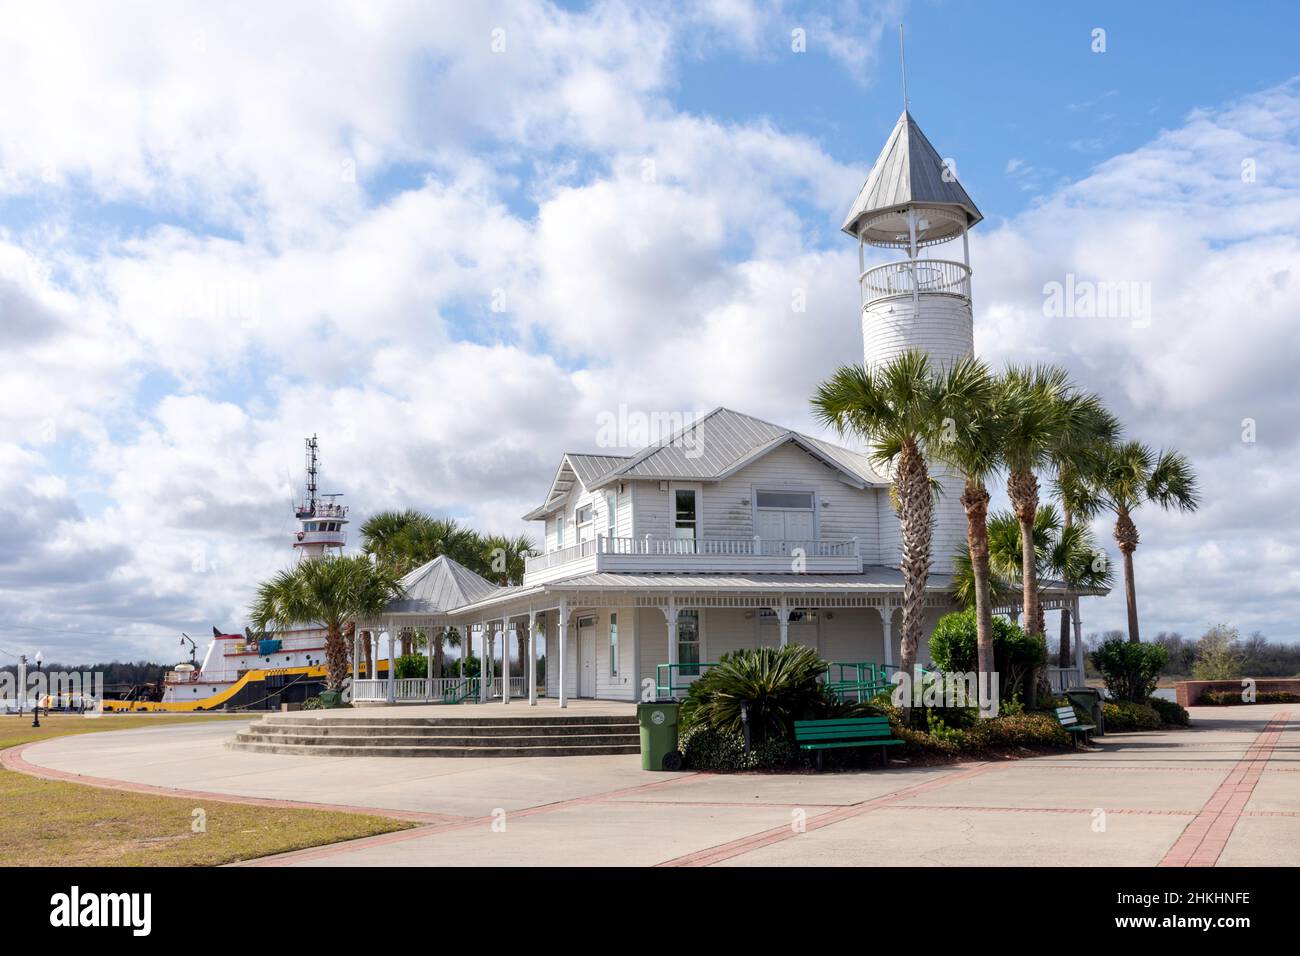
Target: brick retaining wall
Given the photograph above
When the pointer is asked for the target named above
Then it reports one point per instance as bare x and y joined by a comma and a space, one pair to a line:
1190, 691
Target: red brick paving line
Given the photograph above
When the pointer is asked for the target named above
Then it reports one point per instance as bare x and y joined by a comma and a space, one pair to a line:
1133, 811
1202, 842
465, 823
12, 759
755, 841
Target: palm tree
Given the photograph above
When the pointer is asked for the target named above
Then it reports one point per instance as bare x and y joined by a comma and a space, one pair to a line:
899, 410
1129, 475
973, 446
1046, 415
505, 557
331, 591
1064, 552
1074, 463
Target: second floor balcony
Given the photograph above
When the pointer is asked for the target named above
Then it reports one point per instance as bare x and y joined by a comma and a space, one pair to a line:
650, 553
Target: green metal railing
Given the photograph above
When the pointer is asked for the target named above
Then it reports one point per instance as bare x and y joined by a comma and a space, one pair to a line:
669, 685
462, 691
855, 680
847, 680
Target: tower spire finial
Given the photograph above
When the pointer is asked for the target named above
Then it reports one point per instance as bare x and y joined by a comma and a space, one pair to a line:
902, 62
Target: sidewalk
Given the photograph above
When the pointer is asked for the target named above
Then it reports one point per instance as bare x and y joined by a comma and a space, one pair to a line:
1225, 792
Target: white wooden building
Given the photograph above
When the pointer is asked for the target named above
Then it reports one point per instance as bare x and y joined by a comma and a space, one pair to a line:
735, 532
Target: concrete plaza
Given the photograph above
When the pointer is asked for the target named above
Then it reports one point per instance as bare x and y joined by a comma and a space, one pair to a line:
1226, 792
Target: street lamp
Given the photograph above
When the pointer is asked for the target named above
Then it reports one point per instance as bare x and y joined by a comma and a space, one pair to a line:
36, 710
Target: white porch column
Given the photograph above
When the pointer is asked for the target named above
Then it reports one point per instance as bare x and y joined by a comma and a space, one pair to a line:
484, 684
392, 668
783, 620
507, 642
562, 628
887, 628
356, 653
428, 663
670, 615
531, 669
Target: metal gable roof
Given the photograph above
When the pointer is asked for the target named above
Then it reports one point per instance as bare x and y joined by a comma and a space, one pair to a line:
723, 441
714, 446
440, 586
908, 171
585, 468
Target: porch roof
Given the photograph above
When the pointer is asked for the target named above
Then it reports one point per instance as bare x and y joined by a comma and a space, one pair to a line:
873, 580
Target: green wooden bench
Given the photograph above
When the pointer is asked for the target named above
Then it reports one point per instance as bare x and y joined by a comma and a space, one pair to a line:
821, 735
1069, 720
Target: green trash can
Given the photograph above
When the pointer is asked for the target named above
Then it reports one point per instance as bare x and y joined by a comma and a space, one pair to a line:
658, 722
1089, 699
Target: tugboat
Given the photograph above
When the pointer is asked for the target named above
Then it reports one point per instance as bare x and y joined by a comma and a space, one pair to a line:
252, 671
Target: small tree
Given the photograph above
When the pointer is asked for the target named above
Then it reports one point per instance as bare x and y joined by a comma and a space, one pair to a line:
954, 647
1217, 657
1130, 670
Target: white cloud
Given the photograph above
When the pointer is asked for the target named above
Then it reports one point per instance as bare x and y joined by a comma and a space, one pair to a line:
182, 364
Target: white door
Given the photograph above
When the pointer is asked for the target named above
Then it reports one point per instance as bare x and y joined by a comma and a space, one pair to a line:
587, 658
798, 526
782, 531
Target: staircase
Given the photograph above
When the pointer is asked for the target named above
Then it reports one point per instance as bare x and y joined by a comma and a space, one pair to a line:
346, 736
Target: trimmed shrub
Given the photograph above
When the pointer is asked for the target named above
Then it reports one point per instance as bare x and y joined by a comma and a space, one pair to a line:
1228, 697
1171, 713
1122, 715
708, 748
1015, 730
312, 703
777, 686
953, 647
1130, 670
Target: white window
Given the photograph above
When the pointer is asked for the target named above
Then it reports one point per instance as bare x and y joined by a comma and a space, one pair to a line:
688, 643
685, 513
611, 515
582, 517
559, 532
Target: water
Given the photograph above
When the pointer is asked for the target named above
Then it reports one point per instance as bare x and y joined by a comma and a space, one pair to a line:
1166, 693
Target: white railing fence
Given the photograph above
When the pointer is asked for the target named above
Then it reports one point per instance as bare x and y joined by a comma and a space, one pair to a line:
405, 689
753, 546
920, 275
1062, 679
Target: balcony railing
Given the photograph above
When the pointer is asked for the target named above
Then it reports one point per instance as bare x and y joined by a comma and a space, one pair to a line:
920, 275
662, 553
338, 538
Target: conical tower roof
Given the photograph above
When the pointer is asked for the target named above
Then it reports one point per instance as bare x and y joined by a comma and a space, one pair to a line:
909, 172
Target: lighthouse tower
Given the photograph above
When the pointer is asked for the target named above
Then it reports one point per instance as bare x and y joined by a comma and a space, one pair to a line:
910, 204
320, 518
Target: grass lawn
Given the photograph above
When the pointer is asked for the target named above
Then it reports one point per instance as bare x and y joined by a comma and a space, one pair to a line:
52, 823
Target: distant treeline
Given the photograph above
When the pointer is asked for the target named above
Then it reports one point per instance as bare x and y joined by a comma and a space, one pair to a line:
1221, 653
117, 672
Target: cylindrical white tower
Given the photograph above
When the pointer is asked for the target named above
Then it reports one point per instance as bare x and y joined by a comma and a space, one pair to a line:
911, 202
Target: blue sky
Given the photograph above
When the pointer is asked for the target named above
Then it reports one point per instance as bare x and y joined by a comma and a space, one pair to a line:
221, 231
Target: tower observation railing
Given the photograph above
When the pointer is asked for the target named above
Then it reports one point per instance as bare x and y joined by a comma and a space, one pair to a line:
942, 276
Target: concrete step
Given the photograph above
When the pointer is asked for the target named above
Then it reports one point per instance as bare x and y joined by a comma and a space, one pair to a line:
467, 721
445, 740
373, 750
500, 728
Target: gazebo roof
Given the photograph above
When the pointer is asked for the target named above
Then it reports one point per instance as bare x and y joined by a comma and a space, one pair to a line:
440, 586
908, 173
